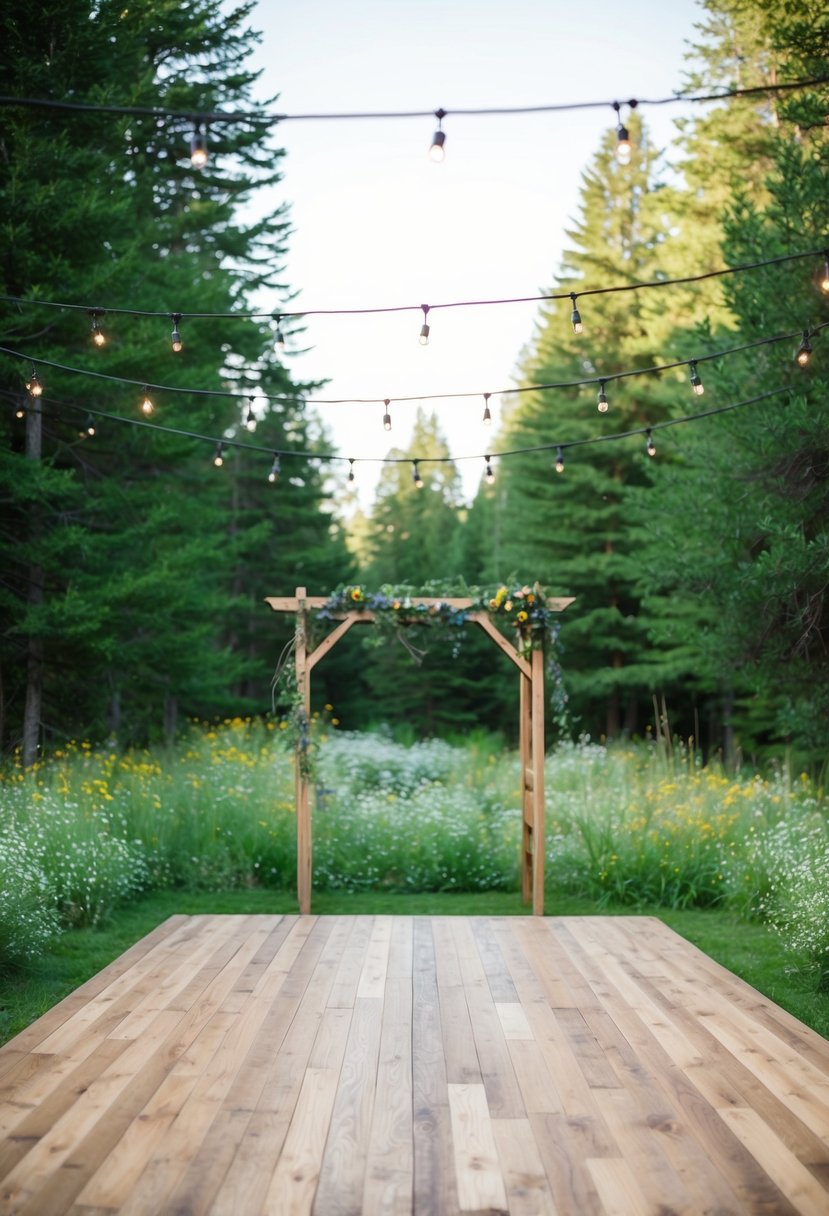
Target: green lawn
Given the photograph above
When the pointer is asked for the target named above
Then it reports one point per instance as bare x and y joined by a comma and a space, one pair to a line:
750, 950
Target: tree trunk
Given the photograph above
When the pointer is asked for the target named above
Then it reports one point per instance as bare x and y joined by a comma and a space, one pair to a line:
34, 597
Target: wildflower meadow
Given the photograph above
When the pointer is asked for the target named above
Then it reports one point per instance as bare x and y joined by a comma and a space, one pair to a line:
90, 829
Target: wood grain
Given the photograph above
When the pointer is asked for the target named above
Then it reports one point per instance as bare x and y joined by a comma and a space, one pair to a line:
387, 1066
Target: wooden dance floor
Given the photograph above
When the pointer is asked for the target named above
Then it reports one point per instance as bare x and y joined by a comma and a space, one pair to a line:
595, 1066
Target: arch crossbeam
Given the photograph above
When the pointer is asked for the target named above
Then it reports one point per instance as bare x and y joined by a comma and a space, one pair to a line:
531, 728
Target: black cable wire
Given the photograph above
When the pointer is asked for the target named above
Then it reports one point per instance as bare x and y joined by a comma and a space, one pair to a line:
609, 378
250, 116
275, 315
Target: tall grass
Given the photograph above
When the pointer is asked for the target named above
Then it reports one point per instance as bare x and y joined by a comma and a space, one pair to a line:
91, 828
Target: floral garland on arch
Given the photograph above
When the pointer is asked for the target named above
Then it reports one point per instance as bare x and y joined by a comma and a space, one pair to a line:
522, 607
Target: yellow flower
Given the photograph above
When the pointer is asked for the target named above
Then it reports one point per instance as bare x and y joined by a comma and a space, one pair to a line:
493, 604
396, 604
530, 598
356, 593
508, 606
522, 616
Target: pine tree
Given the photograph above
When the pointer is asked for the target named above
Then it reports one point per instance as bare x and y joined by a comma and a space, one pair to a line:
124, 558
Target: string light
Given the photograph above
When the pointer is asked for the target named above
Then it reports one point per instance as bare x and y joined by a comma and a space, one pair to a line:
89, 427
219, 455
488, 473
424, 329
416, 478
147, 407
697, 387
437, 152
198, 147
342, 312
623, 148
175, 336
250, 420
33, 384
20, 412
351, 476
559, 465
386, 416
487, 413
804, 351
279, 337
650, 446
602, 404
98, 335
276, 469
575, 316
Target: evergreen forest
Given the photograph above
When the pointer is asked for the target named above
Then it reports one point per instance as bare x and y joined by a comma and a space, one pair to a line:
135, 559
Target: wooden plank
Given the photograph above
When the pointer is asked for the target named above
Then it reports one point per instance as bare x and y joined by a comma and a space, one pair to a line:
477, 1168
537, 715
525, 1179
328, 643
361, 1065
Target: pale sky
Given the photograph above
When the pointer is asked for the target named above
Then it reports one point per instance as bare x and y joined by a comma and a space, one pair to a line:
376, 223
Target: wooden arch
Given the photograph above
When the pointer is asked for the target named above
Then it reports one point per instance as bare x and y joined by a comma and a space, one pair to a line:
531, 731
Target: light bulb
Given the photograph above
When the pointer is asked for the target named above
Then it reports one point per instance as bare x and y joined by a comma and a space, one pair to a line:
147, 407
575, 316
437, 152
623, 148
488, 473
351, 476
20, 412
386, 416
650, 446
198, 148
250, 420
279, 336
559, 466
487, 414
824, 279
275, 469
175, 336
33, 385
696, 384
804, 351
418, 480
602, 403
89, 426
98, 335
219, 457
424, 329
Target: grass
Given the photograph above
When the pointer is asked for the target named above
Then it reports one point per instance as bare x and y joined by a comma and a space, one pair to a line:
751, 951
97, 846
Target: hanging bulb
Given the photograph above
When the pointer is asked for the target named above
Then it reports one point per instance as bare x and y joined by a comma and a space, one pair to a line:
623, 146
696, 384
98, 335
33, 384
804, 351
575, 316
488, 473
487, 414
386, 416
424, 329
650, 446
198, 147
20, 412
602, 403
219, 456
147, 407
351, 476
416, 478
279, 336
559, 466
89, 427
175, 336
275, 469
250, 420
437, 153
